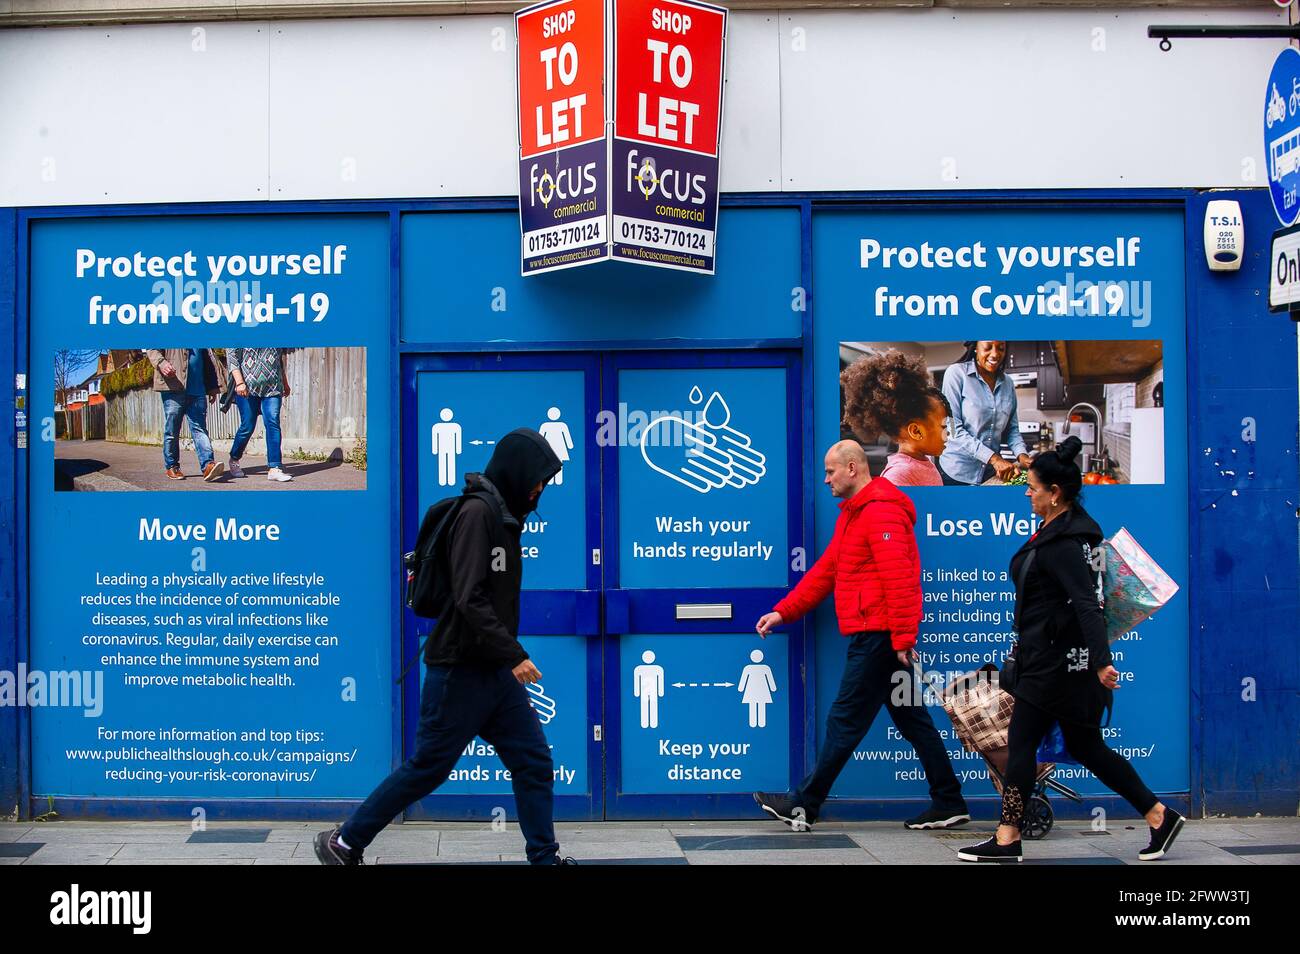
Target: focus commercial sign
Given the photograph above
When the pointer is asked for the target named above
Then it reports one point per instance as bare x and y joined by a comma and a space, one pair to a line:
618, 154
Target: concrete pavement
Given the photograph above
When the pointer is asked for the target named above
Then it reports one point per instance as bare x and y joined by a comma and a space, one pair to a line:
1255, 841
109, 465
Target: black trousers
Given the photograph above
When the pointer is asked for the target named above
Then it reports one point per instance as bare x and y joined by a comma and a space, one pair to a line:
1029, 726
868, 683
457, 704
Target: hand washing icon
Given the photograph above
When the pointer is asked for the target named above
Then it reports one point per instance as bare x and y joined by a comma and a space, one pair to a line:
543, 704
706, 454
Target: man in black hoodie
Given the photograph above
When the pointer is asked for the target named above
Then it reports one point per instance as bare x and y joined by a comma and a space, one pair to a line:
474, 684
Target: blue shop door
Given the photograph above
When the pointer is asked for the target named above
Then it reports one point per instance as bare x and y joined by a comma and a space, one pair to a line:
455, 409
702, 506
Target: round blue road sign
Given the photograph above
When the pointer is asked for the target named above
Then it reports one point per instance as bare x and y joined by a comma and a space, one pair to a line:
1282, 135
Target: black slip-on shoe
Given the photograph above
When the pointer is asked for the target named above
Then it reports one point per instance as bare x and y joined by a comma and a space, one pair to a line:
330, 852
991, 851
1162, 838
784, 808
938, 818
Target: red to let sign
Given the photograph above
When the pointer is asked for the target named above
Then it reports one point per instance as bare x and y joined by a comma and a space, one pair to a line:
561, 75
668, 73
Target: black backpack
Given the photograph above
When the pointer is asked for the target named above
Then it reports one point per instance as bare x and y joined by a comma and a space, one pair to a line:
428, 583
428, 589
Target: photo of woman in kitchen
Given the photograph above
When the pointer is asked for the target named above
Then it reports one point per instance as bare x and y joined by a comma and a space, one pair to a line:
1008, 400
984, 417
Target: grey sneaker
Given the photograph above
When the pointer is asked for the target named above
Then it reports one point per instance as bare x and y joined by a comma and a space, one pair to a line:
330, 852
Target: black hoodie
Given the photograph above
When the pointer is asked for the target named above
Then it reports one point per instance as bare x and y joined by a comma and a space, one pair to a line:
1062, 629
484, 558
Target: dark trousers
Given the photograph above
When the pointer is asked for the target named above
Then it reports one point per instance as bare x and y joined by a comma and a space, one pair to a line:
869, 682
457, 704
1029, 726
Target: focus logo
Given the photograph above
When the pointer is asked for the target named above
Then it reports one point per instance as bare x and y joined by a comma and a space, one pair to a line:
565, 184
677, 185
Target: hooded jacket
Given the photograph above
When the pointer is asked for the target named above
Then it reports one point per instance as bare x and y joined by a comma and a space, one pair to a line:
1062, 631
873, 566
486, 567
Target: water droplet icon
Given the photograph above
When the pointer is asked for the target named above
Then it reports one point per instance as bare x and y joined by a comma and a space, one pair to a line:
696, 395
716, 413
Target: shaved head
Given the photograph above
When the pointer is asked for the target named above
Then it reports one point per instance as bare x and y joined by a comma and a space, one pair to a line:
846, 469
849, 452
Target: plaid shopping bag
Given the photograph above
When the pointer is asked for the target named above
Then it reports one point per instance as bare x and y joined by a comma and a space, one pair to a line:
1131, 585
979, 710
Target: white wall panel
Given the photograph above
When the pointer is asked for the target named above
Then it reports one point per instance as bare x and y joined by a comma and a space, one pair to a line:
751, 107
384, 108
819, 100
425, 107
937, 99
133, 114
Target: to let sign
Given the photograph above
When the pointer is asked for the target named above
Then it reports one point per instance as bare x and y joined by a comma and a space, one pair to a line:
563, 181
618, 141
668, 69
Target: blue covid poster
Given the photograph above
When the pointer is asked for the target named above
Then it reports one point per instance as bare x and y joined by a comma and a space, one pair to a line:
1036, 326
211, 555
704, 714
461, 416
560, 700
702, 477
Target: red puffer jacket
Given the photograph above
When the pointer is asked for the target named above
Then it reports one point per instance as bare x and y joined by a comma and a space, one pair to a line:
873, 566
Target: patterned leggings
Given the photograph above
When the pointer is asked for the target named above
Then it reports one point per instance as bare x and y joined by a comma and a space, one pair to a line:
1029, 725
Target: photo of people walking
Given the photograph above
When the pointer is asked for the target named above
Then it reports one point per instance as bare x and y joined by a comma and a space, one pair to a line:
225, 418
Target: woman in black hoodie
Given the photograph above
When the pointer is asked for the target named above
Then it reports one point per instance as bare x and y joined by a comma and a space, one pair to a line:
1063, 662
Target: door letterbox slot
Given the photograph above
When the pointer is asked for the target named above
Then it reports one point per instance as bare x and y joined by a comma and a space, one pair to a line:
704, 611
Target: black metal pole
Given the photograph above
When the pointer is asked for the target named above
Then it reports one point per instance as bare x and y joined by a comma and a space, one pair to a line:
1264, 32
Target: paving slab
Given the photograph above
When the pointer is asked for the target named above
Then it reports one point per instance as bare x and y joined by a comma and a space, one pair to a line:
98, 854
206, 851
823, 856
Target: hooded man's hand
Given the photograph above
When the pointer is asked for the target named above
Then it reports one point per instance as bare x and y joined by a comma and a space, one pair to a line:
526, 672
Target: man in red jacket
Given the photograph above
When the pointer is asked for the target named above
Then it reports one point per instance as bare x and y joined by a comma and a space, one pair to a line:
873, 567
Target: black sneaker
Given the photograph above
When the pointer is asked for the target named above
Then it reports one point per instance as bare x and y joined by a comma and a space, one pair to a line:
565, 860
991, 851
330, 852
786, 809
938, 818
1162, 838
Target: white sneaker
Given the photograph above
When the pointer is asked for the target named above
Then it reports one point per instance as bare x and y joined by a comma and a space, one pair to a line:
275, 473
234, 469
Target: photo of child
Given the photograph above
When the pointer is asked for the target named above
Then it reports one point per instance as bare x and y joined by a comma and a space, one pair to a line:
892, 395
1006, 401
